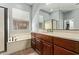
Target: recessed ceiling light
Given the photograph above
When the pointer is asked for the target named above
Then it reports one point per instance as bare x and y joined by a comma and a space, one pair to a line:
47, 3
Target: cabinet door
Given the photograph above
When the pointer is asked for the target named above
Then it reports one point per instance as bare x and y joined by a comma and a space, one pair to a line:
39, 46
61, 51
67, 44
47, 49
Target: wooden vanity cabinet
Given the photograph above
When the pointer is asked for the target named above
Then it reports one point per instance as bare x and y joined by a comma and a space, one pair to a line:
51, 45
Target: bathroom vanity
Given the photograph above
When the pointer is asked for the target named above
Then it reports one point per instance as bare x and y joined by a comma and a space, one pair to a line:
55, 43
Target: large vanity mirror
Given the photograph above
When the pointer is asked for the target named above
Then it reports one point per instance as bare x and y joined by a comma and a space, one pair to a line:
58, 16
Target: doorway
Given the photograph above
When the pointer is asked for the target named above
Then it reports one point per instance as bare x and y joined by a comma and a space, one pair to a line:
3, 29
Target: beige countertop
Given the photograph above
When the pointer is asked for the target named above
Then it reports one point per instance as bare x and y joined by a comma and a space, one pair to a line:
67, 35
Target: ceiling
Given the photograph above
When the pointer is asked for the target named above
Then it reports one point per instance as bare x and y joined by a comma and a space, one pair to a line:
60, 6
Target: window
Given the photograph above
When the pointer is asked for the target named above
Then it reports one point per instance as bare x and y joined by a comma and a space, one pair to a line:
20, 19
18, 24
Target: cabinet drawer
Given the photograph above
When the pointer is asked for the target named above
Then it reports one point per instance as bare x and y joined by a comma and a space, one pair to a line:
67, 44
38, 44
61, 51
45, 37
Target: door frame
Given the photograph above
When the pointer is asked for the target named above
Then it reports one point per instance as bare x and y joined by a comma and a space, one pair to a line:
5, 28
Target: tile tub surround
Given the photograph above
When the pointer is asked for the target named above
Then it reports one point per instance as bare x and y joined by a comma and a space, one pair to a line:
19, 36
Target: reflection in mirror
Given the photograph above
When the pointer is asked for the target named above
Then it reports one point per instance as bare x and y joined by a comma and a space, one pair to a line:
41, 22
71, 24
54, 24
49, 25
71, 20
62, 17
43, 17
41, 25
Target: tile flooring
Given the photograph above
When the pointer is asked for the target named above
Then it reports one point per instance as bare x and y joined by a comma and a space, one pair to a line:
28, 51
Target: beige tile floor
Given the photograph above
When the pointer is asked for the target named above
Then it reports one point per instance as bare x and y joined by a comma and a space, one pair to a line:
28, 51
